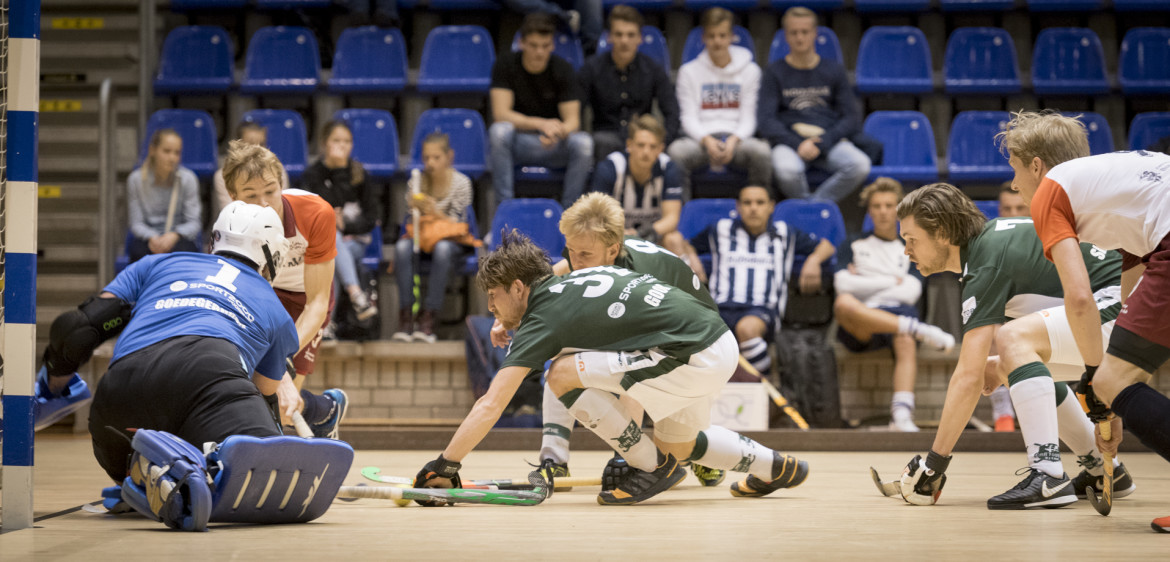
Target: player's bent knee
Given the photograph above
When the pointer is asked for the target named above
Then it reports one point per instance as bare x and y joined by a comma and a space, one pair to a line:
562, 375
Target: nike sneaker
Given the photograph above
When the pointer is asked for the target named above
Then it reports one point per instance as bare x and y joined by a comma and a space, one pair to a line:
1122, 482
1037, 489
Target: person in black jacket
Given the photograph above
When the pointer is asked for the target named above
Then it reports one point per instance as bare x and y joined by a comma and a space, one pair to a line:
341, 181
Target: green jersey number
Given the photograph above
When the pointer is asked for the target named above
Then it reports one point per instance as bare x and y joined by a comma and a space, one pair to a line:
604, 282
647, 247
1008, 224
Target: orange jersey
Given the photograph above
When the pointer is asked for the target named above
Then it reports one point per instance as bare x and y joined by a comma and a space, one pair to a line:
311, 230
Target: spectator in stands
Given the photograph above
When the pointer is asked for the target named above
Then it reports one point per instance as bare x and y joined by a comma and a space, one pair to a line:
341, 181
623, 84
439, 193
1011, 203
717, 94
581, 17
644, 180
808, 112
251, 133
163, 199
751, 259
877, 297
536, 107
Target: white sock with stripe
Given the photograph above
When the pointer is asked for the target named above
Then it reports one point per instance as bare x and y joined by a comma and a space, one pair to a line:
719, 447
902, 405
558, 427
755, 351
1035, 400
600, 412
1077, 432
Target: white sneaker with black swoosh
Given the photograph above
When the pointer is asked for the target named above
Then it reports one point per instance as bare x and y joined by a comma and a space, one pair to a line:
1037, 489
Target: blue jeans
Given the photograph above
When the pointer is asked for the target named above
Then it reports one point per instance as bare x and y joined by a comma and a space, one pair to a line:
590, 10
349, 255
445, 257
848, 164
510, 148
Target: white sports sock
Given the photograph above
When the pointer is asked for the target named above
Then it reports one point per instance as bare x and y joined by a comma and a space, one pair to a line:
902, 404
907, 325
1001, 403
1035, 398
599, 411
1077, 432
755, 351
729, 450
558, 427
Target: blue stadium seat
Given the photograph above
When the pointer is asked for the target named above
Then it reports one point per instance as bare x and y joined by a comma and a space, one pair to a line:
1064, 5
194, 5
908, 139
640, 5
822, 218
990, 208
894, 59
536, 218
457, 58
566, 46
892, 5
287, 138
972, 154
653, 44
698, 214
467, 134
292, 4
1100, 135
981, 60
1138, 5
733, 5
195, 59
281, 60
375, 140
197, 129
372, 259
976, 5
1145, 61
828, 47
694, 44
369, 59
1068, 61
1147, 128
781, 5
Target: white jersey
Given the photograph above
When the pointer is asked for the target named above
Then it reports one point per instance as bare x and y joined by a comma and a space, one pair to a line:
1119, 200
882, 275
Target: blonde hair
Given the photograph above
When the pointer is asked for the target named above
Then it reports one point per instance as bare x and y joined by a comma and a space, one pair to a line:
649, 123
246, 161
597, 215
881, 185
155, 140
715, 16
1047, 135
942, 211
797, 12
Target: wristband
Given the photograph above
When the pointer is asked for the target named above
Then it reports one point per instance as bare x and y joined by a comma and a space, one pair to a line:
937, 462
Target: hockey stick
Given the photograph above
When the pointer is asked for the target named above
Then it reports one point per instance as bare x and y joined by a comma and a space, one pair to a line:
888, 489
375, 474
301, 425
535, 496
416, 261
777, 398
1105, 504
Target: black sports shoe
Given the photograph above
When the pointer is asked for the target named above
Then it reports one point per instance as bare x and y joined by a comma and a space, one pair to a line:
1122, 482
614, 473
640, 485
787, 472
1037, 489
551, 470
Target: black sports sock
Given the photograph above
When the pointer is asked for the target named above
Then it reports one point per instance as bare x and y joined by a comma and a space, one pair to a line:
318, 407
1146, 413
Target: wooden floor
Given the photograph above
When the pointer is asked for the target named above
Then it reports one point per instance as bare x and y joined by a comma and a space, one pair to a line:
837, 514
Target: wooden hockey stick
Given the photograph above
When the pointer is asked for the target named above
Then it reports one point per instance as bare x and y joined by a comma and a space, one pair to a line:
375, 474
1105, 504
301, 425
448, 495
777, 398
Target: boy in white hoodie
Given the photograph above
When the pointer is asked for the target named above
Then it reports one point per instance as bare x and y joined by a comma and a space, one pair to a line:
717, 95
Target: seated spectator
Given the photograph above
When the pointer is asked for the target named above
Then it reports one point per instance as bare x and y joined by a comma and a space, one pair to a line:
623, 84
644, 180
751, 260
717, 94
251, 133
808, 113
442, 193
341, 181
163, 200
1011, 203
581, 17
877, 298
537, 112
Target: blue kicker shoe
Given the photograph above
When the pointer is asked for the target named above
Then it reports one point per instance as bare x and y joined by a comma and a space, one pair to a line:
49, 409
329, 427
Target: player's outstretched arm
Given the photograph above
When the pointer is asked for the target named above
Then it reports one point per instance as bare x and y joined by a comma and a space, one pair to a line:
1083, 316
964, 389
318, 280
485, 413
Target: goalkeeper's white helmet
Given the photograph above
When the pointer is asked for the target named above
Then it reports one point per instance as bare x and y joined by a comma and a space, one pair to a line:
252, 232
